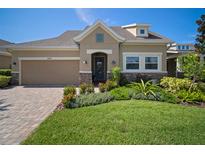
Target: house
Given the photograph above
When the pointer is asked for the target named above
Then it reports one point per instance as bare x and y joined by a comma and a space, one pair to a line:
88, 55
173, 52
5, 57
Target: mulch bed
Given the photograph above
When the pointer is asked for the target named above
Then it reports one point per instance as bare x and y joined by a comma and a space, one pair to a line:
198, 104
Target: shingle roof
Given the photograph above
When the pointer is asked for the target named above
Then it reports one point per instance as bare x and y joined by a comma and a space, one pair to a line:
66, 39
2, 49
4, 42
129, 36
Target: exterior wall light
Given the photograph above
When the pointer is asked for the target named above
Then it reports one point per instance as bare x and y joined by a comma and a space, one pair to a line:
85, 62
113, 62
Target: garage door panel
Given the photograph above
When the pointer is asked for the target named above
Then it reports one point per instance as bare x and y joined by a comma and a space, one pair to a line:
53, 72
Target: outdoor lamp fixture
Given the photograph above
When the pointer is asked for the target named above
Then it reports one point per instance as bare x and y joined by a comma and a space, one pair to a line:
113, 62
14, 63
85, 62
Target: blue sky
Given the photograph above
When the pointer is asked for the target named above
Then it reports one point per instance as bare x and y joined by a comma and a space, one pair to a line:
20, 25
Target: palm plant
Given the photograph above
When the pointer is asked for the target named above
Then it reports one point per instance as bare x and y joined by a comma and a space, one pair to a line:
145, 88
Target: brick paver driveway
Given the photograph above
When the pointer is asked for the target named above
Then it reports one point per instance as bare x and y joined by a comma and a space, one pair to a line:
23, 108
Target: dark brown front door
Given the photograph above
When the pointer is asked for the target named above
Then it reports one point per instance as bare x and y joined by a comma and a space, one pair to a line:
99, 68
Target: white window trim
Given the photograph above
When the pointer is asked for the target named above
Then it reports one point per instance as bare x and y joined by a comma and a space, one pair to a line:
142, 62
125, 62
91, 51
145, 32
158, 58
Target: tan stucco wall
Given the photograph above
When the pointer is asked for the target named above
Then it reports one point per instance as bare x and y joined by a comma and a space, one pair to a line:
132, 30
89, 42
50, 72
5, 61
145, 49
56, 53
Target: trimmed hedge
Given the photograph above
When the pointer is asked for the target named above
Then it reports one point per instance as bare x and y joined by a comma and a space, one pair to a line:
5, 72
122, 93
4, 81
92, 99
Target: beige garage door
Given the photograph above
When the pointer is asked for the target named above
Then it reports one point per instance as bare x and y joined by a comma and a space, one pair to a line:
53, 72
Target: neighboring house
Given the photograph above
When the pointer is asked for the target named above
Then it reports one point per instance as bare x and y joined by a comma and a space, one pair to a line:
89, 55
5, 57
173, 52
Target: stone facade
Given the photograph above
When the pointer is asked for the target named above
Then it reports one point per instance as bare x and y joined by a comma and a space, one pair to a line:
86, 77
145, 76
15, 78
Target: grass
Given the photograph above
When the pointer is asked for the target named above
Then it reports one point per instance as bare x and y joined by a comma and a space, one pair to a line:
123, 122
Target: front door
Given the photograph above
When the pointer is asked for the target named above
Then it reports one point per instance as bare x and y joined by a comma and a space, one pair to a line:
99, 68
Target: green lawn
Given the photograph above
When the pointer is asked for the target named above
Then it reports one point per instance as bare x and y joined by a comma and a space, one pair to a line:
123, 122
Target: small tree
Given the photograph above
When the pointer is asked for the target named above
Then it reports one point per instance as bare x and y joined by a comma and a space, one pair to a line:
116, 74
200, 38
191, 66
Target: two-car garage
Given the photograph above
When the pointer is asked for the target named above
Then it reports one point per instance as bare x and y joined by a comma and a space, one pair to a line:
53, 71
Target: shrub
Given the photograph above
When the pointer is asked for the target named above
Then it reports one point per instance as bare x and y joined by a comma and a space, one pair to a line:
174, 84
69, 90
192, 67
122, 93
145, 88
201, 86
86, 88
141, 96
93, 99
123, 80
165, 96
4, 81
116, 71
5, 72
102, 87
67, 99
190, 97
109, 85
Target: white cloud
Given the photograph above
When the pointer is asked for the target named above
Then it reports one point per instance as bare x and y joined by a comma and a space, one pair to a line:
85, 15
88, 17
108, 21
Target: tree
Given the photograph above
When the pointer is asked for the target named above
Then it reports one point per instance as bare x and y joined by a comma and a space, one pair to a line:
200, 38
192, 67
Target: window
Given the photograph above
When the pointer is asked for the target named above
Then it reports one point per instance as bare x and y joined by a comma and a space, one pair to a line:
179, 47
142, 62
132, 63
183, 47
142, 31
99, 37
187, 47
151, 63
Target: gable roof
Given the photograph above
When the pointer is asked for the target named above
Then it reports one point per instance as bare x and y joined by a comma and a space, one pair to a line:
97, 24
70, 38
152, 37
4, 42
64, 40
2, 48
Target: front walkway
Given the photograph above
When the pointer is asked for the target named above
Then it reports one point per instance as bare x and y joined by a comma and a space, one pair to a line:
23, 108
